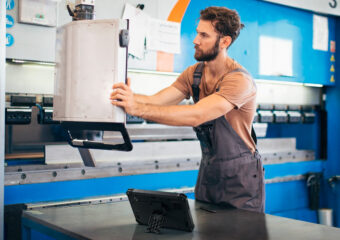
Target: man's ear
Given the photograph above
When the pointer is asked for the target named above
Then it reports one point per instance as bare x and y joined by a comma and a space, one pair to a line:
225, 42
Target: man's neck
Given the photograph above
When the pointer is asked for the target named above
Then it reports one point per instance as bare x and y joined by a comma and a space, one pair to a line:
217, 66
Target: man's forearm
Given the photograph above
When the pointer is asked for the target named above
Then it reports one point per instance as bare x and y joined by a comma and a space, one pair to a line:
161, 106
167, 96
207, 109
141, 98
177, 115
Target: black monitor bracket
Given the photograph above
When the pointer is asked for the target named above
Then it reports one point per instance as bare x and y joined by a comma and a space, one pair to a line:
84, 144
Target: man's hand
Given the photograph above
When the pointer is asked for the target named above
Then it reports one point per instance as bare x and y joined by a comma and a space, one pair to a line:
122, 96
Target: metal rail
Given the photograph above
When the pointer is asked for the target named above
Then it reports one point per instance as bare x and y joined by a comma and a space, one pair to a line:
65, 163
123, 197
59, 172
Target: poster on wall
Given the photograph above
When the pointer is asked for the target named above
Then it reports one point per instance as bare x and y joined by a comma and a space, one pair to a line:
276, 56
163, 36
320, 33
159, 35
137, 22
39, 12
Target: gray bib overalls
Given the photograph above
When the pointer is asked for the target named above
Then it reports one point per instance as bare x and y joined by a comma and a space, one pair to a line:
230, 174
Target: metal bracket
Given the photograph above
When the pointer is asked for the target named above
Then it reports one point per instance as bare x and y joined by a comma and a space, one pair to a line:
84, 143
87, 157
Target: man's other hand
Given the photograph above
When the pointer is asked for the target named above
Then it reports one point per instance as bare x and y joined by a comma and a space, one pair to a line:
122, 96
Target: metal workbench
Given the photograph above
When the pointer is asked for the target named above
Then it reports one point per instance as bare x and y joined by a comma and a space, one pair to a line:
116, 221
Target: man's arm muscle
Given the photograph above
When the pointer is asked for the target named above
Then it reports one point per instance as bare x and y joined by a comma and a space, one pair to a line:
167, 96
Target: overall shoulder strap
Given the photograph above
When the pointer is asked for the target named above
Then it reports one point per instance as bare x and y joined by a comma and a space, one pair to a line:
197, 81
253, 134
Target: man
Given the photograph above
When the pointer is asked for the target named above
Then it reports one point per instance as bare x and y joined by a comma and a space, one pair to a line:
231, 172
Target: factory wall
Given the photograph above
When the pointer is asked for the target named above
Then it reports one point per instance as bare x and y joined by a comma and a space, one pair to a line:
33, 42
287, 24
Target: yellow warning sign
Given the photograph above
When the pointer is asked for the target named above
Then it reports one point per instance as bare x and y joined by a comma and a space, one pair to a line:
332, 58
332, 68
332, 78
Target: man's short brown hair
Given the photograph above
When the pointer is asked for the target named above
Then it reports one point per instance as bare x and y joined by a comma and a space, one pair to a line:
226, 21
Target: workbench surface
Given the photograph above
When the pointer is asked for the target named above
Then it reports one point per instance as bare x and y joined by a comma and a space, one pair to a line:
116, 221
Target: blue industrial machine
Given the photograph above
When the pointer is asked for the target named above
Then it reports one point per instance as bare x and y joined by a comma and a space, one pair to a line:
296, 121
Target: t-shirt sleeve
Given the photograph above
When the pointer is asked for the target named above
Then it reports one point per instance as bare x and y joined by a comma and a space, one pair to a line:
184, 81
238, 88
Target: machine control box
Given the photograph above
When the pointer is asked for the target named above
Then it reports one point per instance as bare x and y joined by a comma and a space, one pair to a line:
89, 60
91, 56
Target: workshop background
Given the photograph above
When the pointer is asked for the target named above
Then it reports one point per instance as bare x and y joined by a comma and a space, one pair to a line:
289, 50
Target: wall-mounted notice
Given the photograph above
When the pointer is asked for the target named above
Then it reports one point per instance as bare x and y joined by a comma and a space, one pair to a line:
138, 21
320, 33
320, 6
276, 56
164, 36
160, 35
40, 12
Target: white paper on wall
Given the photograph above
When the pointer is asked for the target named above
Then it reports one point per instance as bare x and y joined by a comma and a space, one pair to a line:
163, 36
160, 35
138, 22
40, 12
320, 33
276, 56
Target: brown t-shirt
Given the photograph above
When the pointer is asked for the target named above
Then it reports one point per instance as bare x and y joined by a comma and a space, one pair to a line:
236, 87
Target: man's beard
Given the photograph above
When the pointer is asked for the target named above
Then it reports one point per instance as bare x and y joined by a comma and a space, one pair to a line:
210, 54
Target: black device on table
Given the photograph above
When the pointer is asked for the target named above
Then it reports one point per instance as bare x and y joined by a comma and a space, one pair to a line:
158, 209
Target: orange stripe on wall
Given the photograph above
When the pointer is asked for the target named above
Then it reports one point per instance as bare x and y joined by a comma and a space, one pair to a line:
177, 13
165, 61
